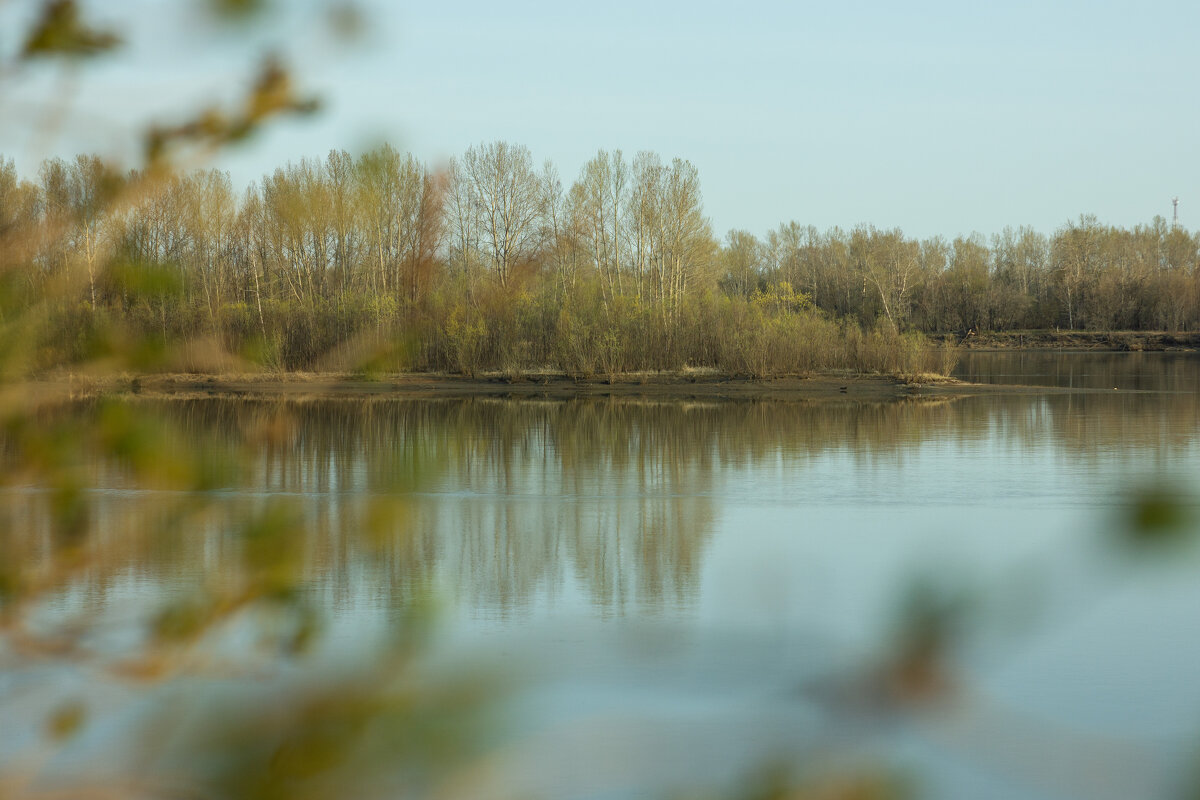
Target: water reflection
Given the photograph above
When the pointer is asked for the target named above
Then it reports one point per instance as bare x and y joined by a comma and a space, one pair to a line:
740, 563
1158, 372
520, 504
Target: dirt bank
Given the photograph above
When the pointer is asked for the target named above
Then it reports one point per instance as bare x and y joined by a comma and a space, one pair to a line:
831, 387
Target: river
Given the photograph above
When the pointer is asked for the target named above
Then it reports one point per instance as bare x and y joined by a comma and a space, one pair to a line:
683, 595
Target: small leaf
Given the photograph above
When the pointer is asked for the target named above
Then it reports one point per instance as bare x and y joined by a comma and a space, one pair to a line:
182, 621
347, 21
236, 10
1155, 517
154, 282
66, 720
61, 32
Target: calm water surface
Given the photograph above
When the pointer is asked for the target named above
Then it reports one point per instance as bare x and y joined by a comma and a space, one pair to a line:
679, 583
1159, 372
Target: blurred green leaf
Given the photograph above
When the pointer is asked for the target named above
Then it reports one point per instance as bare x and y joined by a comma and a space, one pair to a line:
782, 781
307, 629
236, 10
70, 513
1157, 517
66, 720
146, 281
15, 294
10, 583
271, 94
931, 618
272, 549
61, 32
183, 620
126, 436
347, 20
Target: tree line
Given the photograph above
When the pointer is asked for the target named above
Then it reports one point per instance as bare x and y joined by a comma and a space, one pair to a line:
494, 263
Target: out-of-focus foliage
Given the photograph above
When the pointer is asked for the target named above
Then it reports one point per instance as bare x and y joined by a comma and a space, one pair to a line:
237, 10
1158, 517
271, 94
378, 263
241, 696
61, 32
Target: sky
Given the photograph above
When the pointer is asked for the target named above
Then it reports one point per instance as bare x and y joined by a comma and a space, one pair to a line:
940, 118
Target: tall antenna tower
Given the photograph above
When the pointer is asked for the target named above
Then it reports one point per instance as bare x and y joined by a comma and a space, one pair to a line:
1175, 211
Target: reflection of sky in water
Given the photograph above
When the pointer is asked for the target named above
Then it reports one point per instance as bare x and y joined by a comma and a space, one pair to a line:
694, 563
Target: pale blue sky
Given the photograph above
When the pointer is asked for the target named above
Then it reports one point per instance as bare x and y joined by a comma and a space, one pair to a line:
937, 117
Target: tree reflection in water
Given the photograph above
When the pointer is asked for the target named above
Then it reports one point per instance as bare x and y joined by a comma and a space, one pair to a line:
309, 514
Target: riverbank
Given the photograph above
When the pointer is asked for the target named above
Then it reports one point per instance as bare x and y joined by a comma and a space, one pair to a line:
1100, 341
682, 385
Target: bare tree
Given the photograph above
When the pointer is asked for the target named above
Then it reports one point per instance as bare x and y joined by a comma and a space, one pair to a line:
741, 263
558, 231
503, 188
688, 242
421, 223
78, 195
599, 199
462, 219
645, 212
1074, 255
210, 220
890, 266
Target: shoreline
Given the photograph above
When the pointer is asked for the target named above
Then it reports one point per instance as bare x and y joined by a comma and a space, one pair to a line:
688, 383
674, 385
1073, 341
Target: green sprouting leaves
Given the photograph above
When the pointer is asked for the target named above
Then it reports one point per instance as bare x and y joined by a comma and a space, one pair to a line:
15, 294
183, 620
378, 730
782, 781
235, 10
10, 582
931, 619
148, 282
153, 453
1159, 514
272, 551
66, 720
272, 93
344, 19
1156, 518
60, 31
70, 515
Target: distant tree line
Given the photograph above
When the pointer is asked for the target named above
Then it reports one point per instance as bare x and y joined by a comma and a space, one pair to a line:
1086, 276
496, 264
